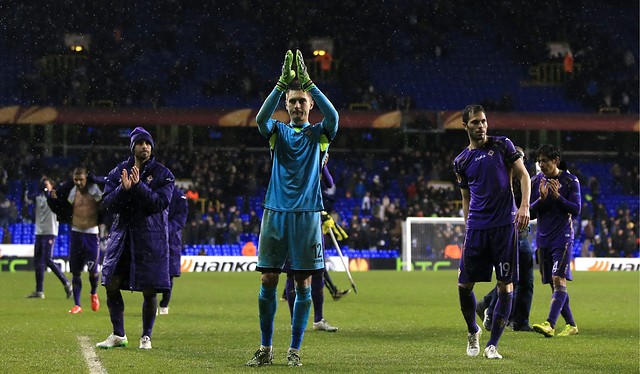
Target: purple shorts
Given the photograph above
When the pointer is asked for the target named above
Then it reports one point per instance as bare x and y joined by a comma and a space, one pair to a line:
488, 249
556, 262
43, 249
83, 250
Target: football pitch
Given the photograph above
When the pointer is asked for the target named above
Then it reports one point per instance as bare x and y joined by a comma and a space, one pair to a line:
398, 323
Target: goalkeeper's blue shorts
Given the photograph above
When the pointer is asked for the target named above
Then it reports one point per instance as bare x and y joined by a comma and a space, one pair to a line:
293, 235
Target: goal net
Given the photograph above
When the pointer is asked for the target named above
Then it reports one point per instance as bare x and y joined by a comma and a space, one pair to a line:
436, 241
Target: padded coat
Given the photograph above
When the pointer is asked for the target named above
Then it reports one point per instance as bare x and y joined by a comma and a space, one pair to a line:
140, 227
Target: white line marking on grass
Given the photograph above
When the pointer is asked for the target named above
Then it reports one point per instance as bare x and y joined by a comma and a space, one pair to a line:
90, 357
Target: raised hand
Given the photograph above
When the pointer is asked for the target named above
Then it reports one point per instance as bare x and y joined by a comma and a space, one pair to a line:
124, 180
544, 189
130, 180
287, 74
303, 75
135, 176
554, 188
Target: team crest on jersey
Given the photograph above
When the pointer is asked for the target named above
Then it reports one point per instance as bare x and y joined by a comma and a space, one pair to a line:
490, 152
149, 179
307, 132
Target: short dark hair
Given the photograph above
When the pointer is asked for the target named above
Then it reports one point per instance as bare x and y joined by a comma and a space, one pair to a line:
80, 170
294, 86
550, 151
469, 110
43, 180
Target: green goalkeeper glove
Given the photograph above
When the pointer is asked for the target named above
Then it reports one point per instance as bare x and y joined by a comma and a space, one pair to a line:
287, 74
329, 224
303, 76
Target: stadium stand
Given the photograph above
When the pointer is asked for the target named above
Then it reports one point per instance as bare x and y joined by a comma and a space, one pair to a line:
194, 51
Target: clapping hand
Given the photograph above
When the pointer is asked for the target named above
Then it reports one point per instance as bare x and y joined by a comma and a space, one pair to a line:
544, 189
554, 188
287, 74
129, 181
303, 75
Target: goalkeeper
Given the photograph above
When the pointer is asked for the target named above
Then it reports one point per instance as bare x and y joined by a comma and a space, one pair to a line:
290, 225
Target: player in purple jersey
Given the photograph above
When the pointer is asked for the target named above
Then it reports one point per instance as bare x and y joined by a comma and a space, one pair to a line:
555, 200
178, 208
46, 234
328, 187
484, 171
523, 290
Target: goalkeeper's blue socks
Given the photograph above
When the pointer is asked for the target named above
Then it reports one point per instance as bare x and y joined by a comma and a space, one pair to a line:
500, 318
267, 305
301, 309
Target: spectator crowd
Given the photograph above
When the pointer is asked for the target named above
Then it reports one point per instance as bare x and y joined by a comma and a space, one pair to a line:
375, 193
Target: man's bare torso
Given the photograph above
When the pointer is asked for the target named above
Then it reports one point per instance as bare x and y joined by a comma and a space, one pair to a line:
85, 211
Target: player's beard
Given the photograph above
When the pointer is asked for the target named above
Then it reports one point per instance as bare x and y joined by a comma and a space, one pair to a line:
478, 137
142, 156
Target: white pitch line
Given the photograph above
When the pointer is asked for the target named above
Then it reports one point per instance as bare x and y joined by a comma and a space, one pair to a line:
90, 357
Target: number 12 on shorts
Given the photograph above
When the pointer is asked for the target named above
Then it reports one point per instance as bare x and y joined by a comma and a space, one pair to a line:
317, 248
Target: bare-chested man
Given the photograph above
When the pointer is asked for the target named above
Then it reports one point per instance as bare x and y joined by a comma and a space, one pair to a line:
80, 205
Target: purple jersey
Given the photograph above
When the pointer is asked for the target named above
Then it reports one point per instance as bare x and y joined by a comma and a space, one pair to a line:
485, 173
555, 227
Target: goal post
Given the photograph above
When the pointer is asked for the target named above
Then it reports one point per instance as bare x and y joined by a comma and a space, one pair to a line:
425, 238
429, 243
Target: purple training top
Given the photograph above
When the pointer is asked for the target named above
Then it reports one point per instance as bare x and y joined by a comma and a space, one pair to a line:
485, 173
555, 226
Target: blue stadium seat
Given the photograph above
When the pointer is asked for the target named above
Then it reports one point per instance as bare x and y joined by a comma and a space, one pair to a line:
236, 250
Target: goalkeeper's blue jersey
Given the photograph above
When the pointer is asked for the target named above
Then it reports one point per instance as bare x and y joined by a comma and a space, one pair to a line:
297, 154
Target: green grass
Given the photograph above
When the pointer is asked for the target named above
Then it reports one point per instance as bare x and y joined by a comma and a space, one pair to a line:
399, 322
